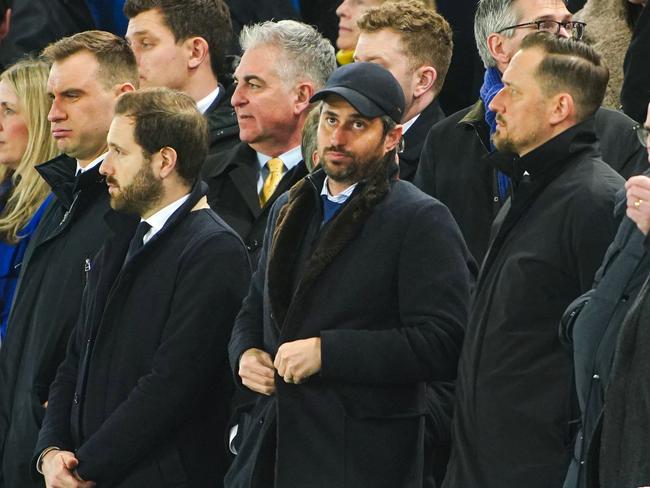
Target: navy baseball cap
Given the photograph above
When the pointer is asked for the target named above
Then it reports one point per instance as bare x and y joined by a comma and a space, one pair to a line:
368, 87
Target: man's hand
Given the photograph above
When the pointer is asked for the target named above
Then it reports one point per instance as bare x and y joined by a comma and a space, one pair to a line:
257, 372
298, 360
638, 202
59, 470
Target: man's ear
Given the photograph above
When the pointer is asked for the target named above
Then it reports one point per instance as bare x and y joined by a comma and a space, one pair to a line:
198, 52
303, 93
497, 45
393, 138
167, 162
562, 109
424, 79
121, 88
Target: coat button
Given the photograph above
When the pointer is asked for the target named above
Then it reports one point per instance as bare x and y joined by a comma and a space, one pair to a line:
75, 399
596, 376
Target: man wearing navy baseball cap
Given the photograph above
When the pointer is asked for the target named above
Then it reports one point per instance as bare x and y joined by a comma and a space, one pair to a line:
359, 300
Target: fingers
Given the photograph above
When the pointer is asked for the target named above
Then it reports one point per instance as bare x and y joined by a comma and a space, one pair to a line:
257, 372
298, 360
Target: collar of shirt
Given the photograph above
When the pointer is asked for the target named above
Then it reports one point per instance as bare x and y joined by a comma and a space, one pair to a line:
407, 125
341, 197
205, 103
158, 220
290, 159
91, 165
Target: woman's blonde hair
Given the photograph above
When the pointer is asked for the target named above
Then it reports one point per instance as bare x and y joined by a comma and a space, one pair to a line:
28, 78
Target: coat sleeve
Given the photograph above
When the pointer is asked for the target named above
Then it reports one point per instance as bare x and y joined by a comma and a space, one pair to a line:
434, 280
55, 431
249, 326
212, 280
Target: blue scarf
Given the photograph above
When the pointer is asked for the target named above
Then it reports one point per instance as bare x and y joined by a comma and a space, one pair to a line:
491, 85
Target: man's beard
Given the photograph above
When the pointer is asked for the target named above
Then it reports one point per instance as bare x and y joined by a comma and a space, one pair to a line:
140, 195
358, 167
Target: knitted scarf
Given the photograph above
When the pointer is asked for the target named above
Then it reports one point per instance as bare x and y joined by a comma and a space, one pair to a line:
491, 85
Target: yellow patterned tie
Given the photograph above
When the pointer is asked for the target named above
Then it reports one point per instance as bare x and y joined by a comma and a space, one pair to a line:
276, 167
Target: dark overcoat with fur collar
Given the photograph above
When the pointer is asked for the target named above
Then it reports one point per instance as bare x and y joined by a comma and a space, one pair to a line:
385, 285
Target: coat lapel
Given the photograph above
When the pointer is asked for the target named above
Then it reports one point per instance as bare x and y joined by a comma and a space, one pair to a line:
287, 242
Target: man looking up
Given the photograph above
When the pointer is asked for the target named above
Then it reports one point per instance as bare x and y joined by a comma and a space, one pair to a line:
359, 301
141, 399
181, 44
90, 71
415, 44
452, 167
283, 64
513, 420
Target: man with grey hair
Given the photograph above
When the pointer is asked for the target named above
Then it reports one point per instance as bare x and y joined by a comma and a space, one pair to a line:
283, 64
451, 164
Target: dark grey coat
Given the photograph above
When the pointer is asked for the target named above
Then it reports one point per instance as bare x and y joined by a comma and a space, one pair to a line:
590, 327
385, 285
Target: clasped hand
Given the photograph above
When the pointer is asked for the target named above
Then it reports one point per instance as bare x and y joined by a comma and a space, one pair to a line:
295, 362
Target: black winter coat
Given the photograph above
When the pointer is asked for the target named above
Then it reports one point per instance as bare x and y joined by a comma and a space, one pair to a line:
142, 396
385, 285
591, 326
232, 181
223, 129
512, 423
45, 309
454, 170
414, 139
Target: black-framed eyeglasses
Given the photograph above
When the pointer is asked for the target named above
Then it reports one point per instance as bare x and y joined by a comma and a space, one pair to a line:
642, 134
573, 27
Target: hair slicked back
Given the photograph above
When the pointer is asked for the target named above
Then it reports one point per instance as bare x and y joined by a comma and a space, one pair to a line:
572, 66
303, 51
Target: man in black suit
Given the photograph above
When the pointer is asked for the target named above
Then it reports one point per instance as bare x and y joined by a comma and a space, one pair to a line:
181, 44
283, 64
141, 398
414, 43
90, 71
360, 299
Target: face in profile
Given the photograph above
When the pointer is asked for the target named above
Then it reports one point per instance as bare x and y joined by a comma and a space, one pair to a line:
349, 12
132, 184
522, 109
162, 62
263, 101
14, 134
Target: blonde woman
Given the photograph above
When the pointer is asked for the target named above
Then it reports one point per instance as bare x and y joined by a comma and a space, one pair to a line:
25, 141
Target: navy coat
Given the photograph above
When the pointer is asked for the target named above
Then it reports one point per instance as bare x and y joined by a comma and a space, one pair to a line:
142, 396
385, 285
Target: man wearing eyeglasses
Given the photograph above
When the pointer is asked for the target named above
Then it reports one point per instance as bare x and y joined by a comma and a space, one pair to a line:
451, 159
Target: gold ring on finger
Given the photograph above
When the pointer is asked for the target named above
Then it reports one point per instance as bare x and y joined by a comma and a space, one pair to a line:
638, 203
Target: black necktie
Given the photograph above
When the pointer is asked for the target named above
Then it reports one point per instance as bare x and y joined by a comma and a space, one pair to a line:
137, 239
